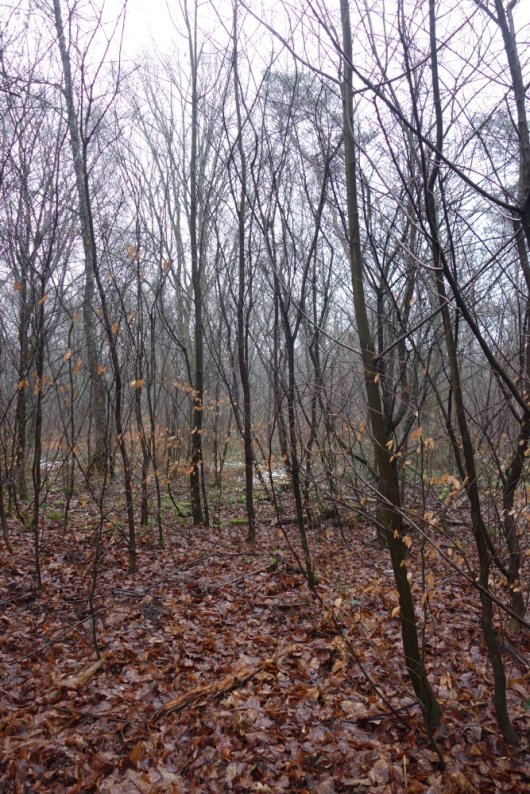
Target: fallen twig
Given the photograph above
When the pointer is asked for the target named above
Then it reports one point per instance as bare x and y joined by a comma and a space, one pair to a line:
74, 682
226, 684
64, 633
238, 579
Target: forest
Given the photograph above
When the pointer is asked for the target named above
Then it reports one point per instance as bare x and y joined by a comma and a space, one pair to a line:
264, 396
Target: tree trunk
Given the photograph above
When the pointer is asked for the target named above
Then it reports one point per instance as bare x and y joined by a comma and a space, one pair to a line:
243, 289
93, 279
99, 458
491, 637
3, 518
199, 507
23, 384
389, 483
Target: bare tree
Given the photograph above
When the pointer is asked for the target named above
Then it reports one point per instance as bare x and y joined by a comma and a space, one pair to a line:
80, 136
386, 461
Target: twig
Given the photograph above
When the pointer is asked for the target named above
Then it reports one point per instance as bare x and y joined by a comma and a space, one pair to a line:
226, 684
64, 633
238, 579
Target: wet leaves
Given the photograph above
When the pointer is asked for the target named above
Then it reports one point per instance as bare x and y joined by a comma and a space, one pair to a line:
220, 672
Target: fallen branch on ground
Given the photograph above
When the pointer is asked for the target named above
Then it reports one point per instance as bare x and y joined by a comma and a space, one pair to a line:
226, 684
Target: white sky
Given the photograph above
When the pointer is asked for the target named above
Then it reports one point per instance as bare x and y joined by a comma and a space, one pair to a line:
157, 24
148, 26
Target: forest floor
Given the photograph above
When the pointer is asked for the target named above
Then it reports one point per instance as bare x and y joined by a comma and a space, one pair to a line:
220, 671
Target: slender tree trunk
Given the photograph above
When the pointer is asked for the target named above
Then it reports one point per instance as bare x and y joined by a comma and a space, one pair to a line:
278, 416
141, 365
516, 467
153, 443
99, 457
389, 483
522, 230
199, 508
513, 478
70, 432
118, 420
243, 294
23, 384
294, 461
491, 637
37, 448
93, 280
3, 518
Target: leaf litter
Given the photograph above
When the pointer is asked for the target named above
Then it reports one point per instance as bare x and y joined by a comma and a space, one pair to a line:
221, 672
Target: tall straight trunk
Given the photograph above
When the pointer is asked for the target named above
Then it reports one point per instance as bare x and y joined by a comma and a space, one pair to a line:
3, 516
327, 452
139, 383
27, 267
277, 403
144, 445
70, 431
153, 444
111, 334
21, 403
93, 280
243, 289
99, 457
388, 474
294, 461
199, 508
37, 447
491, 637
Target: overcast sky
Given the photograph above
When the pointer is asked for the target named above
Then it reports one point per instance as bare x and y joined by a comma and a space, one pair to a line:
157, 24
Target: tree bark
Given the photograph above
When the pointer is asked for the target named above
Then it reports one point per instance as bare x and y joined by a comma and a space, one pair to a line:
491, 637
199, 506
389, 482
243, 291
99, 458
